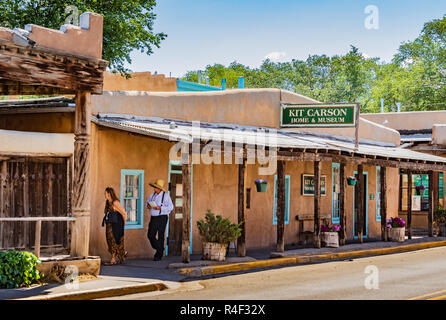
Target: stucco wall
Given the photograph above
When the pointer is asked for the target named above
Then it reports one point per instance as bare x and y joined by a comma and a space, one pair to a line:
252, 107
439, 134
215, 188
408, 120
39, 122
139, 81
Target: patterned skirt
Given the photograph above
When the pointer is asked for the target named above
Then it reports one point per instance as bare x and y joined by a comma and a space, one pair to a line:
116, 249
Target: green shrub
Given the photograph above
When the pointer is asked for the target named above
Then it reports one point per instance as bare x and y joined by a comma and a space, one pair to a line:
440, 215
217, 229
17, 269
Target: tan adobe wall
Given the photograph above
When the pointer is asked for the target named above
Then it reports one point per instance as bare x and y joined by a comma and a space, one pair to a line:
252, 107
85, 40
139, 81
214, 187
439, 134
43, 122
408, 120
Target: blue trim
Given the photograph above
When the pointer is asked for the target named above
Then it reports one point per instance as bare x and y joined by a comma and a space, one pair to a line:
366, 207
139, 224
377, 197
333, 218
287, 199
192, 86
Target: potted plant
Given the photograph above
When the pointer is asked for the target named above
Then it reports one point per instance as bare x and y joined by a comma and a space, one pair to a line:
419, 189
440, 221
216, 233
330, 235
351, 181
262, 185
397, 229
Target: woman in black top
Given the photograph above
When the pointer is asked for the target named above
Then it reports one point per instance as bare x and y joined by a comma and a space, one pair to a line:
115, 218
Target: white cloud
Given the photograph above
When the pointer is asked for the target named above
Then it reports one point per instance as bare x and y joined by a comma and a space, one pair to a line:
275, 56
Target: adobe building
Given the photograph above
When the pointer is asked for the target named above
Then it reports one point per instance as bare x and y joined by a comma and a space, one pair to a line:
59, 154
422, 131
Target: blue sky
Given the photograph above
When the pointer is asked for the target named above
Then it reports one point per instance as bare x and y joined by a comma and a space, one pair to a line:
221, 31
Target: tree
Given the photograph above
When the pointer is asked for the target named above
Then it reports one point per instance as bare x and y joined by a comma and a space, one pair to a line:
128, 24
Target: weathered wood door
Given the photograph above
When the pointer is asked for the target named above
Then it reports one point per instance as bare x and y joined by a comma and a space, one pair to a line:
35, 187
176, 216
365, 208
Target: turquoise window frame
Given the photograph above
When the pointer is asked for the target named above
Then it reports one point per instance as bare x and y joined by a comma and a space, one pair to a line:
139, 223
333, 218
378, 194
287, 199
364, 236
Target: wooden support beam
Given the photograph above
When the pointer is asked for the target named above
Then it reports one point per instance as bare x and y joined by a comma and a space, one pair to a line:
185, 244
37, 238
384, 204
241, 241
436, 194
280, 209
430, 214
409, 204
81, 191
359, 201
342, 218
317, 204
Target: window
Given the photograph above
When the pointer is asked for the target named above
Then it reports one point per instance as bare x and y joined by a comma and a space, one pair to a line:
336, 193
132, 197
417, 180
378, 194
287, 200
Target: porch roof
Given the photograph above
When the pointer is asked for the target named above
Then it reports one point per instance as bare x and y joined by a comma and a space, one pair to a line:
180, 130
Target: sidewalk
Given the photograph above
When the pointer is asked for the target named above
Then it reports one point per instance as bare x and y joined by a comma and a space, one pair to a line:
145, 275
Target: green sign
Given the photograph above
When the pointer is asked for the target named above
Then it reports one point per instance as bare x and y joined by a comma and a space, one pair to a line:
308, 185
333, 115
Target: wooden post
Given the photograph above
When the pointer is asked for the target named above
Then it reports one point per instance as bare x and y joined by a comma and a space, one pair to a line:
436, 195
185, 244
358, 110
342, 232
409, 204
430, 214
241, 241
81, 177
384, 204
317, 204
280, 209
37, 238
360, 202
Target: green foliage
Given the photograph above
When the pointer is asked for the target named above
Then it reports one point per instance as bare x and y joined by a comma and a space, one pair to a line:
416, 77
440, 215
128, 24
217, 229
17, 269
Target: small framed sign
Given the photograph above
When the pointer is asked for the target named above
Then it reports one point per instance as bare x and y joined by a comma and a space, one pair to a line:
308, 185
331, 115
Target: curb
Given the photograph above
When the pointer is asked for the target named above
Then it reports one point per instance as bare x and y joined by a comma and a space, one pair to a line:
102, 293
196, 272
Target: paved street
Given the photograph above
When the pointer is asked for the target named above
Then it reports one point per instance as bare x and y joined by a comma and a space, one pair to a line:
418, 274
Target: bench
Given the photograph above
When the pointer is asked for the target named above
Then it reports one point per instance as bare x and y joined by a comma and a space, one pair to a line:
306, 234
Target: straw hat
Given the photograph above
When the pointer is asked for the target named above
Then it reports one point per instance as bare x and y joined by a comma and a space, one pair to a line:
158, 184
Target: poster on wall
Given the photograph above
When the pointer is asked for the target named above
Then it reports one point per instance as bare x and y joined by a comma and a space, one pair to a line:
416, 203
308, 185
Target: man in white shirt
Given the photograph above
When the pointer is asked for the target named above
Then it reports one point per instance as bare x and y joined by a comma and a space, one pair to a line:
160, 205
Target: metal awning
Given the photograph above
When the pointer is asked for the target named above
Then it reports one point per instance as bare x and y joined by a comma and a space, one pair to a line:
188, 131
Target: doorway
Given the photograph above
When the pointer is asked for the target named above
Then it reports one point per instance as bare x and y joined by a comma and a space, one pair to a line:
366, 210
175, 224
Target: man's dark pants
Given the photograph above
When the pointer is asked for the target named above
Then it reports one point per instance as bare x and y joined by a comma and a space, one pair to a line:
157, 225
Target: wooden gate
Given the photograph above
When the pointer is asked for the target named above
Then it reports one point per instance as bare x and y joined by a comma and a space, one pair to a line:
35, 187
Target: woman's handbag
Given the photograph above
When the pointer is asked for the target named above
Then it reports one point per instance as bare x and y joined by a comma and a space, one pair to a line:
112, 217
